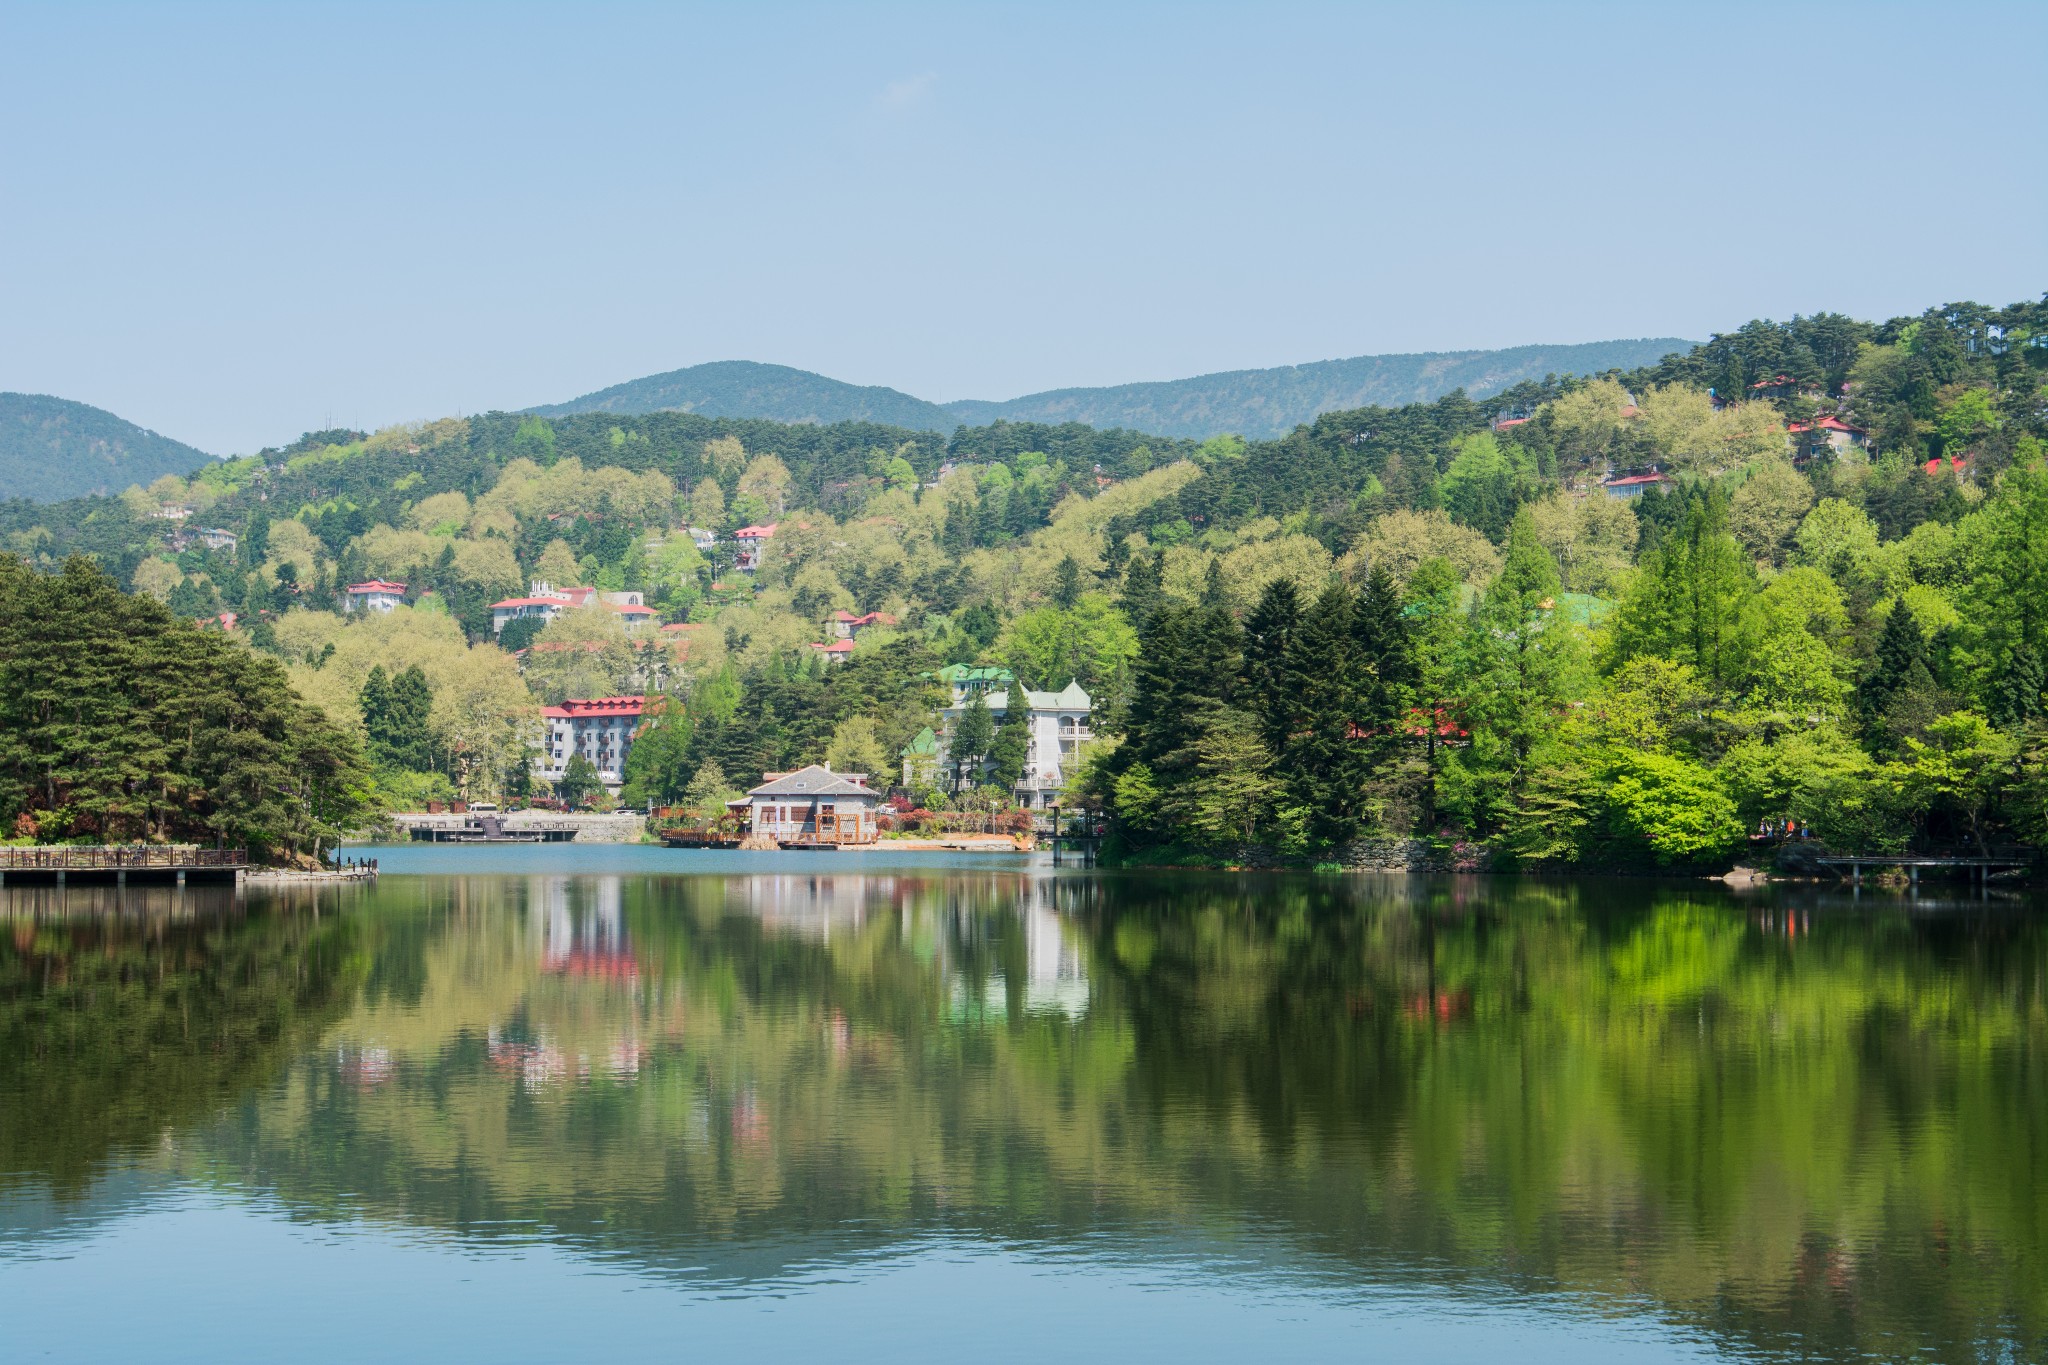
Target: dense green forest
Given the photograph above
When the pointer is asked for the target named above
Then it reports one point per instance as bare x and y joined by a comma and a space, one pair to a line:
119, 723
52, 448
1434, 619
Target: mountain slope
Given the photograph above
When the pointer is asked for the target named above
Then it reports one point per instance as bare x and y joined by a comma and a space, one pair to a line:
1254, 403
53, 448
1269, 403
746, 388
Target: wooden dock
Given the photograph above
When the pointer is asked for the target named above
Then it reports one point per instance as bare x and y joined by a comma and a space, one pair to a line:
1979, 865
120, 864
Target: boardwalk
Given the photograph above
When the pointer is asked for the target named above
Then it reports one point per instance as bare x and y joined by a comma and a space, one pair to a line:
1979, 864
62, 864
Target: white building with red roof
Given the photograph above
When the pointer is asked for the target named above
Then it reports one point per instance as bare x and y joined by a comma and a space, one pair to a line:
599, 728
1831, 431
847, 626
546, 603
750, 539
375, 595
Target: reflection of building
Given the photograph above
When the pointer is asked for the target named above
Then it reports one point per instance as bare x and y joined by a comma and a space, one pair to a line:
601, 729
1058, 977
812, 905
583, 915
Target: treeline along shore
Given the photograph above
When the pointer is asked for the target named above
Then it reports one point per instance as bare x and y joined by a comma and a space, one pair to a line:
1789, 588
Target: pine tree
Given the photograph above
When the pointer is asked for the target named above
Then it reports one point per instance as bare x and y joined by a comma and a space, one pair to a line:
1067, 584
1268, 642
973, 734
1142, 590
1011, 747
1899, 648
1324, 762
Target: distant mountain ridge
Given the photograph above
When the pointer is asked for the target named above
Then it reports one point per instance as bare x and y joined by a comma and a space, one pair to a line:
1263, 404
747, 388
53, 448
1260, 404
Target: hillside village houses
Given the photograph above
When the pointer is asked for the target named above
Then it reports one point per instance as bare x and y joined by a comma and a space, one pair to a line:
847, 626
375, 595
546, 603
1058, 727
750, 539
599, 728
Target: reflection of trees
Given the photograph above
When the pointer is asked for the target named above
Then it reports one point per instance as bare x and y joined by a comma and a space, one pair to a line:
1629, 1091
122, 1018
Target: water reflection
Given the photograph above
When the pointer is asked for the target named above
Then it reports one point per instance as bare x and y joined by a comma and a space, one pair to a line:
1803, 1126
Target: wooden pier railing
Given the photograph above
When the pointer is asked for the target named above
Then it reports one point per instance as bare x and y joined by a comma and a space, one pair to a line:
119, 858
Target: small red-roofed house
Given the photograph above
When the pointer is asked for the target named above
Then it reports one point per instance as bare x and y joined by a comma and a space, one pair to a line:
750, 539
375, 595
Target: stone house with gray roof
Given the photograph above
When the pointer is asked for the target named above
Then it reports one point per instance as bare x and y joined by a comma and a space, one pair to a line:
815, 805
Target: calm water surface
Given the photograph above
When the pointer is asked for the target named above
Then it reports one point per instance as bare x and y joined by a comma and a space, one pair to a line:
554, 1103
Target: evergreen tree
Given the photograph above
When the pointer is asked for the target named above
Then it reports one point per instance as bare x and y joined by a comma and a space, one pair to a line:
1324, 762
1011, 747
396, 720
973, 734
1386, 654
1142, 590
120, 723
1899, 648
1067, 584
1521, 662
1268, 644
1689, 594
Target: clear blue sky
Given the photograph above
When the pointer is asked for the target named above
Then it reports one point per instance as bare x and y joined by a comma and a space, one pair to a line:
231, 223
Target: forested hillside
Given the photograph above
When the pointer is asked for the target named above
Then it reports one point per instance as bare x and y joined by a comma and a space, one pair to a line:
1264, 404
1444, 619
1255, 403
51, 448
745, 388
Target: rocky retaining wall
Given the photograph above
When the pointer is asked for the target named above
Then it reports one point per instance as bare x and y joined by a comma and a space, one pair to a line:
590, 829
1413, 855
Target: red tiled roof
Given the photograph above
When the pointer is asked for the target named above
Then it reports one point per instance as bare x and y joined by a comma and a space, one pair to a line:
1507, 422
629, 609
836, 647
756, 532
376, 585
584, 708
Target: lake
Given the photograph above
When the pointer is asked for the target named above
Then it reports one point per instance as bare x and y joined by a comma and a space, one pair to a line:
558, 1102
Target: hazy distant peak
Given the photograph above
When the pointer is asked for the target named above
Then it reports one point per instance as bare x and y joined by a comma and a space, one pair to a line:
1255, 403
53, 448
748, 388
